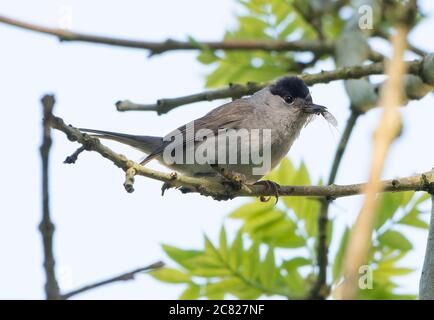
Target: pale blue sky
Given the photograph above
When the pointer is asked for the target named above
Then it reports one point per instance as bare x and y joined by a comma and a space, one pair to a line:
100, 229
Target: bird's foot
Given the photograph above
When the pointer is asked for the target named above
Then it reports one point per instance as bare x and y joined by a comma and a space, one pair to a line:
236, 181
269, 185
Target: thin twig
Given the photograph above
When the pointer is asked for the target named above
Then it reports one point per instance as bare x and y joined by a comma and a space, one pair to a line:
319, 47
388, 129
46, 226
209, 187
129, 180
319, 289
122, 277
236, 91
73, 157
311, 18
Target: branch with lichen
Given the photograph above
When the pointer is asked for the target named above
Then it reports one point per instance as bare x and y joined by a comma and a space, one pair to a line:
422, 68
218, 191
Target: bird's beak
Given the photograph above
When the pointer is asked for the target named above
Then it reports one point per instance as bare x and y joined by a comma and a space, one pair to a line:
314, 108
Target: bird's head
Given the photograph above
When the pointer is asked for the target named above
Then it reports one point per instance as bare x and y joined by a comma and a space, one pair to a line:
295, 94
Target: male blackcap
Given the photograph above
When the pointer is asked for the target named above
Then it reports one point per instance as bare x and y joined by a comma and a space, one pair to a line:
248, 136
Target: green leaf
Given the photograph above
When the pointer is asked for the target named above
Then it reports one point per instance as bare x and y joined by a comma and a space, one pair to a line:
393, 271
261, 20
302, 175
411, 219
252, 28
280, 233
251, 210
285, 172
180, 256
255, 224
170, 275
338, 262
219, 76
275, 229
395, 239
383, 275
295, 283
223, 243
301, 205
236, 251
211, 272
406, 197
251, 261
280, 10
219, 296
425, 196
223, 286
245, 292
311, 211
388, 205
288, 30
332, 25
205, 261
207, 57
268, 269
390, 257
210, 249
290, 240
296, 263
330, 226
191, 293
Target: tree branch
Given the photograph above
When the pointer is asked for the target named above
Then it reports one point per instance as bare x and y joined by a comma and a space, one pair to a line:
319, 47
46, 226
122, 277
320, 290
73, 157
236, 91
426, 285
218, 191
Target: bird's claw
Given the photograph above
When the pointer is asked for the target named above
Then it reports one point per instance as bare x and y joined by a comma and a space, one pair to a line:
269, 185
235, 180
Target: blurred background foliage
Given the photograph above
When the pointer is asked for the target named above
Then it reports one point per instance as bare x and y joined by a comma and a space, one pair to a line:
273, 253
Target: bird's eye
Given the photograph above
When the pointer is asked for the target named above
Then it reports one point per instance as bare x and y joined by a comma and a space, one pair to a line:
289, 99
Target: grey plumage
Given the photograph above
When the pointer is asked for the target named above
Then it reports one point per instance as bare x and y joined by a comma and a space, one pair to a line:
283, 108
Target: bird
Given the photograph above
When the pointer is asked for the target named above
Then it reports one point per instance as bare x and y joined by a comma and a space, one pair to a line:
276, 115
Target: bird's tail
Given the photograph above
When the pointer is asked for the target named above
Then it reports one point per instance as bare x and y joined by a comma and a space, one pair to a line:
146, 144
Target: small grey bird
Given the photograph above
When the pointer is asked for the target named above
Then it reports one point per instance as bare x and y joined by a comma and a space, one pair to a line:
276, 114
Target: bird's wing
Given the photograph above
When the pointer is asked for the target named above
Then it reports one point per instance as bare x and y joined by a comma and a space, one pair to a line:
227, 116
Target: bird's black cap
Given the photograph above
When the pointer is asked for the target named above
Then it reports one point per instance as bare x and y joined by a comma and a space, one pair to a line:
292, 86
